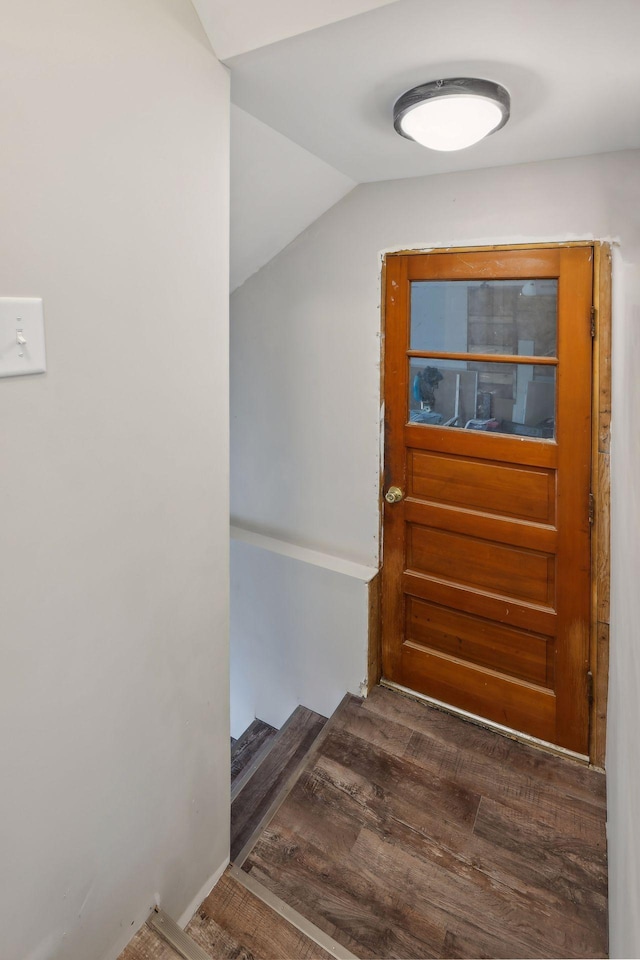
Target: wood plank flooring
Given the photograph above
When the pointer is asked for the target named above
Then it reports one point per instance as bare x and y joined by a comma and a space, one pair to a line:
147, 945
287, 750
249, 925
232, 924
249, 748
412, 833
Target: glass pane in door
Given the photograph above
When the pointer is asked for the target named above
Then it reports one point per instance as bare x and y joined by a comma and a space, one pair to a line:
485, 316
516, 398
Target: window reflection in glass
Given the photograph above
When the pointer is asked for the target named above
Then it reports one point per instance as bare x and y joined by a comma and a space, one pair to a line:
494, 397
490, 316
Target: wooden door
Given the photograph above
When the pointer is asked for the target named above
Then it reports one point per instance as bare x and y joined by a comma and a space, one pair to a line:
486, 574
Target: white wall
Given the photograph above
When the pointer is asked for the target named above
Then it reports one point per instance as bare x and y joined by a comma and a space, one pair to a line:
623, 760
113, 501
305, 393
299, 628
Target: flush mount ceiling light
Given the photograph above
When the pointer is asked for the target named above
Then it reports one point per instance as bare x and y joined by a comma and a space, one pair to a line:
451, 114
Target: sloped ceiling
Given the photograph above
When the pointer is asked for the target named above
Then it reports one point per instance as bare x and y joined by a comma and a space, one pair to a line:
277, 190
236, 26
314, 84
571, 66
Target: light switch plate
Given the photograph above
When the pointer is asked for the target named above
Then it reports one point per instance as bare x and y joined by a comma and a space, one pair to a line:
21, 336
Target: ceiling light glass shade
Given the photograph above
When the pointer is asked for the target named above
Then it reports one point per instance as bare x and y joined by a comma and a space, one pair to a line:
451, 114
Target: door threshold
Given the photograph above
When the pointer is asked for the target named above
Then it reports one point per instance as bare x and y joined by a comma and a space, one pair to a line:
489, 724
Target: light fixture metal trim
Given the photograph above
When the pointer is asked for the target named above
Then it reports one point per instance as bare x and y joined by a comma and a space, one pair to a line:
452, 87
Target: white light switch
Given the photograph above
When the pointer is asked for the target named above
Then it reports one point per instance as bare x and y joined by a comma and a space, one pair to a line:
21, 336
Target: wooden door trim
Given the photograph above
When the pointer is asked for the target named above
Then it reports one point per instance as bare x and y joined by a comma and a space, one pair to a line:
600, 488
600, 479
542, 245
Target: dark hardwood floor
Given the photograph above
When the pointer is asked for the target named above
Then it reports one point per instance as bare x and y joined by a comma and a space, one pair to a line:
413, 834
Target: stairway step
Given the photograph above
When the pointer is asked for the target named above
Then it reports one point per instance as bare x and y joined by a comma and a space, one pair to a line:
232, 917
214, 940
147, 945
288, 749
248, 751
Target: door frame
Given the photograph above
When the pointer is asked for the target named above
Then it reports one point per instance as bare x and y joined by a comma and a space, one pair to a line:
600, 483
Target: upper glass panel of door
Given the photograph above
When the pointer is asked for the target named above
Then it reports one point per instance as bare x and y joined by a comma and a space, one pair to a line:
506, 317
453, 322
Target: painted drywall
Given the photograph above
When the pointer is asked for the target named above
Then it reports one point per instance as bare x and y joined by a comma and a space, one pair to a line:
277, 190
235, 26
113, 489
623, 751
299, 628
305, 394
332, 90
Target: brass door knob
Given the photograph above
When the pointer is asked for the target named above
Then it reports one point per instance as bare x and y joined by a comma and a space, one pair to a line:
394, 495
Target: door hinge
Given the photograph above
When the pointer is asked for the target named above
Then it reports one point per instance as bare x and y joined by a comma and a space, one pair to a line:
590, 686
592, 508
592, 319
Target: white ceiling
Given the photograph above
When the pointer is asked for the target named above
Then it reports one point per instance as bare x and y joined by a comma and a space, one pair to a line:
235, 26
316, 81
277, 190
277, 187
572, 68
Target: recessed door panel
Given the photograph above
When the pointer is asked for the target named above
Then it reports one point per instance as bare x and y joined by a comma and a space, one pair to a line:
520, 654
527, 493
512, 572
